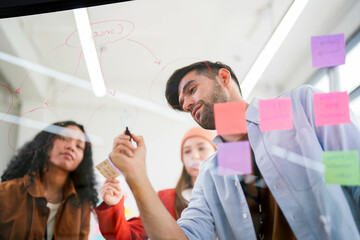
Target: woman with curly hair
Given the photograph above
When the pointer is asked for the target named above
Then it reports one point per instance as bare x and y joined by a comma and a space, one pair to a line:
48, 188
196, 146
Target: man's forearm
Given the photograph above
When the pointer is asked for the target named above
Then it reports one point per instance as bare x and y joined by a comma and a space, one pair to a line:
157, 221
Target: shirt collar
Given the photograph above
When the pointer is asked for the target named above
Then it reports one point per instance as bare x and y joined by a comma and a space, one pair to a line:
217, 140
252, 115
252, 112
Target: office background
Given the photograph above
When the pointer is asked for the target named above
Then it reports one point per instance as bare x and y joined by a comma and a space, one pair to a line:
44, 78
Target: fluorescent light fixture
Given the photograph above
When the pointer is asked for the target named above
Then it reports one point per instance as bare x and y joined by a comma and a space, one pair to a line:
78, 82
266, 55
89, 50
82, 83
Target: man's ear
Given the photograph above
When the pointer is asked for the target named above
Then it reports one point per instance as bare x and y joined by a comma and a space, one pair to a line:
225, 77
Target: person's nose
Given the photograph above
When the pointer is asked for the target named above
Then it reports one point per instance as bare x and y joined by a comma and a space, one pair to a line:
71, 145
188, 104
195, 155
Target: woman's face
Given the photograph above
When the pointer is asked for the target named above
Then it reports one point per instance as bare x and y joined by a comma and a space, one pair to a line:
196, 150
68, 149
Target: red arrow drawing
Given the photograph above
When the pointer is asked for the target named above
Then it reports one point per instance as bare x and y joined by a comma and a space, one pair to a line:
53, 99
158, 61
19, 89
28, 74
112, 93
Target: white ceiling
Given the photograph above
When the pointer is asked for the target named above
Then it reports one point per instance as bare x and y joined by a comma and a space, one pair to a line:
172, 32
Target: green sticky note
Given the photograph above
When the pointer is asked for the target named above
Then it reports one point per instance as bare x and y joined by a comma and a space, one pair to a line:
342, 167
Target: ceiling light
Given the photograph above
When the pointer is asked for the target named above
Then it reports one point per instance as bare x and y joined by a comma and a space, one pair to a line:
271, 47
89, 50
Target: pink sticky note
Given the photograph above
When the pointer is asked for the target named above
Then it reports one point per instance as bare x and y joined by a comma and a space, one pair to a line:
275, 114
230, 118
328, 50
234, 158
331, 108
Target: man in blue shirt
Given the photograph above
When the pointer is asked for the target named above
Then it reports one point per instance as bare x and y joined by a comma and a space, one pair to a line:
288, 163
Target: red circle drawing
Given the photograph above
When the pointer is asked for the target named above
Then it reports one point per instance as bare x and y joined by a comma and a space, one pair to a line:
12, 101
17, 121
104, 32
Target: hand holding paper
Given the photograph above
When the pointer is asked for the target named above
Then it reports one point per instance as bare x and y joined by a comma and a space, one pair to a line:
111, 192
107, 169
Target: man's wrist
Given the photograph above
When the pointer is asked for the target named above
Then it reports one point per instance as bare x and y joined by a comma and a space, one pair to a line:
137, 180
113, 165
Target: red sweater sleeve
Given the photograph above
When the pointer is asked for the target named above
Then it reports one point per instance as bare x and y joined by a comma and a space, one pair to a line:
167, 197
113, 224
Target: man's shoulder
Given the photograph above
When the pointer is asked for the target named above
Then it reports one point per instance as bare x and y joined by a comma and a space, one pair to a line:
209, 163
299, 91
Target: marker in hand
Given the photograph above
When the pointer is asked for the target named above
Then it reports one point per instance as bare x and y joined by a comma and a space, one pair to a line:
127, 132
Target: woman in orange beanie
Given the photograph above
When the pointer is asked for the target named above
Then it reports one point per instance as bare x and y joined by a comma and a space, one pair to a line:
196, 146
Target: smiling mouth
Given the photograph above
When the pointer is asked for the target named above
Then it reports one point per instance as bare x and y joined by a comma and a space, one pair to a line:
195, 111
195, 165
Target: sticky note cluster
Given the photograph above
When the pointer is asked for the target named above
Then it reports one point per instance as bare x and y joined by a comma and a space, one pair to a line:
341, 167
274, 114
233, 157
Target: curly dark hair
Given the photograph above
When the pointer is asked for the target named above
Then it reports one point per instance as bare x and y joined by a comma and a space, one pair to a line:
207, 68
33, 157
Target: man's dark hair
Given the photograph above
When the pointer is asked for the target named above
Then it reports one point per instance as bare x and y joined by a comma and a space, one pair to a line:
34, 156
207, 68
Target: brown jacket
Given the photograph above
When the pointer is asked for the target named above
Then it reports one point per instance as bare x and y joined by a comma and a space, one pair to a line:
23, 212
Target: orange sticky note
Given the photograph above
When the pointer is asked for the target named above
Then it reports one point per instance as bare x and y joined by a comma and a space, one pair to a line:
331, 108
230, 118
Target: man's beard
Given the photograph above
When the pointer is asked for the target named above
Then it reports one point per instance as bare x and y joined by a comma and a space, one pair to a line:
215, 95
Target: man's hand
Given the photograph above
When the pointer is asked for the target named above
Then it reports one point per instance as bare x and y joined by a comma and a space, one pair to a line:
128, 158
157, 221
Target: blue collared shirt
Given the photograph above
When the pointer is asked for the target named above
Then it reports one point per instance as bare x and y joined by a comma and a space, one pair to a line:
291, 164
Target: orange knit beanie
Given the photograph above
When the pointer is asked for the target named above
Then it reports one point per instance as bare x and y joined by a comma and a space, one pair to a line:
198, 132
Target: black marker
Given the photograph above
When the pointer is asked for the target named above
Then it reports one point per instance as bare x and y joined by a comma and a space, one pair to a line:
127, 132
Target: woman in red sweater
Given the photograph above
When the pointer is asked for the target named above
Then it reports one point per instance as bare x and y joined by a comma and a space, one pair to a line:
196, 146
